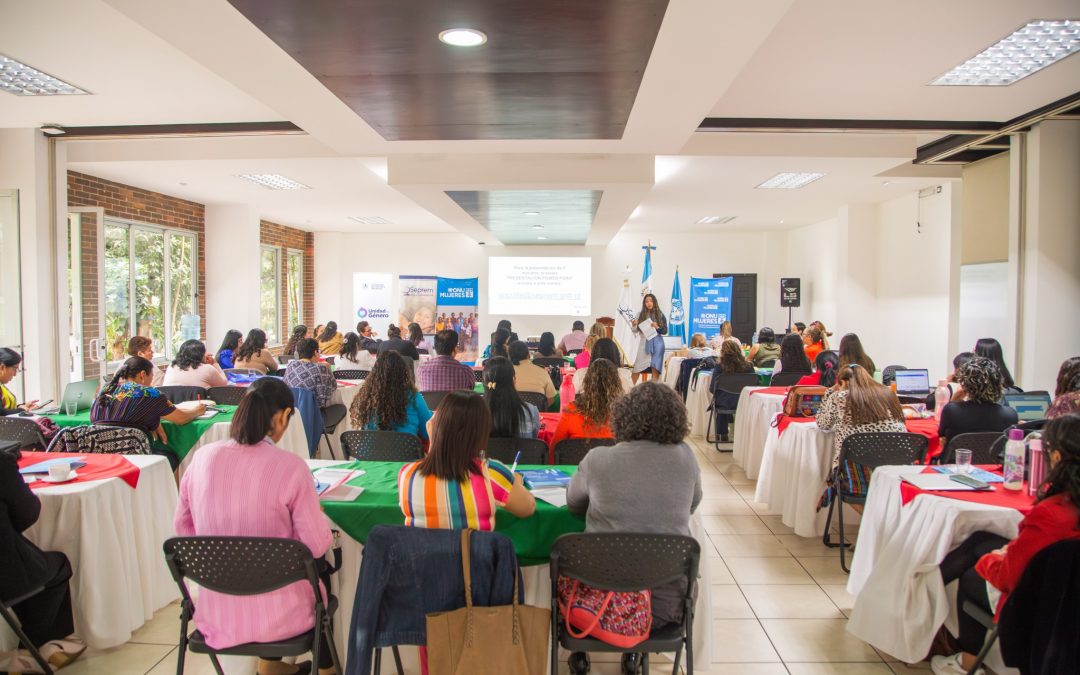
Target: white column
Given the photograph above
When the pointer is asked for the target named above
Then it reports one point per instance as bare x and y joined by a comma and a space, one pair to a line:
232, 270
333, 280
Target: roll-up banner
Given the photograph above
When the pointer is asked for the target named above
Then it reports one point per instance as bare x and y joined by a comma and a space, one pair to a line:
710, 305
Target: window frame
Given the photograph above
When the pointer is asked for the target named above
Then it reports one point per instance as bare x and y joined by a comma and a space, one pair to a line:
299, 319
263, 248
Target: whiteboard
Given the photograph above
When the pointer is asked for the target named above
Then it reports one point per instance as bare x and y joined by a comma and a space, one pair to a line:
984, 305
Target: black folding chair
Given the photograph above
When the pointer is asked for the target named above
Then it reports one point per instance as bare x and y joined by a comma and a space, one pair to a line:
178, 394
23, 431
226, 395
889, 374
332, 416
786, 379
351, 374
574, 352
537, 399
625, 561
573, 450
433, 398
869, 450
478, 375
369, 445
533, 451
247, 566
730, 383
980, 443
16, 627
545, 361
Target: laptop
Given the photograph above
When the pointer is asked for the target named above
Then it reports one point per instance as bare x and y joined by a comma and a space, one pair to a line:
913, 383
80, 393
1028, 407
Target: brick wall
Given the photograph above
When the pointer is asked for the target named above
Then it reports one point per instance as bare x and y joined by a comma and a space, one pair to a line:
135, 204
285, 238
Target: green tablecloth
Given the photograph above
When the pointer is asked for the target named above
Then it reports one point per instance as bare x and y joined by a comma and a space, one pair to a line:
182, 437
378, 505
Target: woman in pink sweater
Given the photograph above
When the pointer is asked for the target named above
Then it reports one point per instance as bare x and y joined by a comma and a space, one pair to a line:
249, 487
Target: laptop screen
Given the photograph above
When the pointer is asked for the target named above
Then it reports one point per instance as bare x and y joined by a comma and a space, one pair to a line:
1028, 407
917, 381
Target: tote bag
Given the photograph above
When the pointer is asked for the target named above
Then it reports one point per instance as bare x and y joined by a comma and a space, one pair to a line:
487, 640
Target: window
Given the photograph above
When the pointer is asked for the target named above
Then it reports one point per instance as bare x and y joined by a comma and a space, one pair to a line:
294, 285
270, 294
149, 287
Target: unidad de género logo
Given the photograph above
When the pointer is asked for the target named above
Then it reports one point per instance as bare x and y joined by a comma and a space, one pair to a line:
374, 313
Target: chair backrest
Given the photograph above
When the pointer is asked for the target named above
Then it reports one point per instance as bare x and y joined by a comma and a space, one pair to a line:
101, 439
178, 394
537, 399
226, 395
478, 375
239, 565
573, 450
732, 383
433, 398
369, 445
533, 451
889, 374
981, 444
771, 363
23, 431
351, 374
545, 361
280, 372
626, 561
884, 448
786, 379
422, 351
243, 371
285, 358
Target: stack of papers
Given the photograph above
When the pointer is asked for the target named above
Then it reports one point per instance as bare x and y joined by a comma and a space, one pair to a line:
556, 496
936, 482
543, 478
975, 472
332, 484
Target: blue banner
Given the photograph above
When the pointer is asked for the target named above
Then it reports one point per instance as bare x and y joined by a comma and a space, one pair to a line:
710, 305
458, 292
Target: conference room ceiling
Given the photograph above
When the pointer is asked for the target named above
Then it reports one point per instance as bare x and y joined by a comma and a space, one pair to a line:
519, 217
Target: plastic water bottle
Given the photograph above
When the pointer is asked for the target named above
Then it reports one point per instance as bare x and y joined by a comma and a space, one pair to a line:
1037, 464
942, 395
1014, 460
567, 393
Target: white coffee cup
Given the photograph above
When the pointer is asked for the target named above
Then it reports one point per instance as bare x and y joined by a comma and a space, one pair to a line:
59, 471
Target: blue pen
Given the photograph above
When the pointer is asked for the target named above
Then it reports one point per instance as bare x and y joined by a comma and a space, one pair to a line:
516, 458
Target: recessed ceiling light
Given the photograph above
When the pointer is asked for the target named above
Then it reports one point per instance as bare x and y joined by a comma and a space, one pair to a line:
715, 220
1027, 50
23, 80
463, 37
370, 220
537, 227
790, 181
273, 181
541, 237
530, 213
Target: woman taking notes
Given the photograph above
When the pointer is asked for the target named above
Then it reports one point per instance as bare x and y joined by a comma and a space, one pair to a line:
651, 326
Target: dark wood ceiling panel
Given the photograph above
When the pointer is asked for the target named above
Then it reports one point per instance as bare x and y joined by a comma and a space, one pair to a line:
550, 68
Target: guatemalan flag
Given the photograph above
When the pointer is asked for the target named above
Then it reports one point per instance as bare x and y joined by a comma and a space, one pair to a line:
646, 272
677, 316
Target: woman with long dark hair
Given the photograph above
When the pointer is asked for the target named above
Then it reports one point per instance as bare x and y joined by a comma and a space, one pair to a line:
765, 353
731, 362
604, 348
229, 345
510, 416
253, 353
354, 355
826, 366
498, 347
279, 500
851, 351
298, 334
650, 354
546, 348
388, 401
330, 340
1067, 392
989, 348
793, 357
193, 367
416, 336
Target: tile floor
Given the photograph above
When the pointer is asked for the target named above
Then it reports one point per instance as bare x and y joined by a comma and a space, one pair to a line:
779, 602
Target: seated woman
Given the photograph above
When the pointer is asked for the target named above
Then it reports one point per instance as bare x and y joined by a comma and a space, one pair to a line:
254, 355
416, 336
856, 404
976, 407
46, 617
987, 560
954, 386
9, 368
298, 334
530, 377
825, 334
388, 401
590, 413
989, 348
353, 355
826, 365
432, 490
140, 345
698, 348
851, 351
129, 401
510, 416
793, 357
731, 362
546, 348
604, 348
766, 350
648, 482
1067, 393
597, 331
227, 350
727, 335
498, 347
307, 372
813, 342
238, 471
330, 340
193, 367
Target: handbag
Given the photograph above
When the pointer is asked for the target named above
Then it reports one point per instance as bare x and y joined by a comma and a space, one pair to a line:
804, 401
619, 618
487, 640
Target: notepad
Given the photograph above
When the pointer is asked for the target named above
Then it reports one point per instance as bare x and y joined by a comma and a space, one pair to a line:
936, 482
556, 496
331, 484
542, 478
43, 467
975, 472
210, 413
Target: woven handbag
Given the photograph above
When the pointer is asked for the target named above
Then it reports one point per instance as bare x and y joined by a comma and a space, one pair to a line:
622, 619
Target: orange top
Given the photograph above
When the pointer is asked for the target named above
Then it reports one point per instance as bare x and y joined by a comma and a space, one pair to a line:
573, 424
812, 351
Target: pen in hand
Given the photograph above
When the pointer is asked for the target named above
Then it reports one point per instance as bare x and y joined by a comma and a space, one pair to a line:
516, 458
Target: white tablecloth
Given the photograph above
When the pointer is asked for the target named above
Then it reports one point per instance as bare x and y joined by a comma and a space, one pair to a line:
698, 400
900, 599
752, 425
112, 534
794, 467
294, 440
671, 370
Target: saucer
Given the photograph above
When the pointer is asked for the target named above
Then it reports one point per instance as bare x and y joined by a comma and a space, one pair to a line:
70, 477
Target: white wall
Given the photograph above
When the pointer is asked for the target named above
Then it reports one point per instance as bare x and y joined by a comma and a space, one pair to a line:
232, 270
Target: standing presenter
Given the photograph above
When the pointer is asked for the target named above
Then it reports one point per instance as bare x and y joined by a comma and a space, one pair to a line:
651, 326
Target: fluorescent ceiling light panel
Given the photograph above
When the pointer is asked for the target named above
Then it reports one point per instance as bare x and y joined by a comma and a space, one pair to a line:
273, 181
715, 220
370, 220
790, 181
22, 80
1028, 50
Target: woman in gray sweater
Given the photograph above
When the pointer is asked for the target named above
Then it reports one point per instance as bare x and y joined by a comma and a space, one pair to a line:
648, 482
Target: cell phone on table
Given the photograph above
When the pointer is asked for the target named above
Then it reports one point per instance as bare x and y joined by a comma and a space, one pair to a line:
974, 483
42, 404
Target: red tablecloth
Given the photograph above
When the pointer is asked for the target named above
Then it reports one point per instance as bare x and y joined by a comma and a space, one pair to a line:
98, 467
548, 422
928, 428
997, 496
782, 391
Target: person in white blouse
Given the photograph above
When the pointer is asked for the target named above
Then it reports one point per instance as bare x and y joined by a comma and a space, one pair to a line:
605, 348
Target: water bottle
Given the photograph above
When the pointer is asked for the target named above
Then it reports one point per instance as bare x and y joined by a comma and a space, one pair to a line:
942, 395
1014, 460
567, 393
1037, 464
